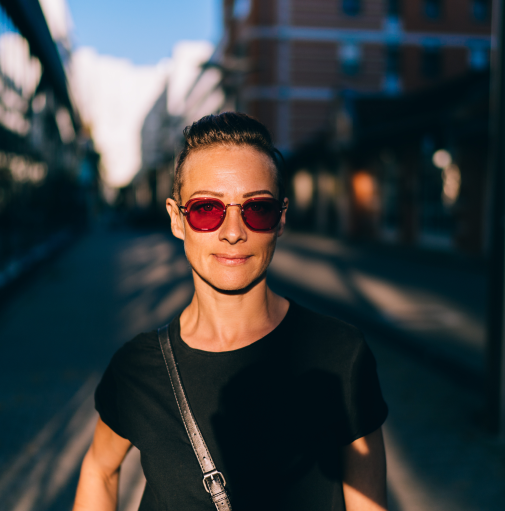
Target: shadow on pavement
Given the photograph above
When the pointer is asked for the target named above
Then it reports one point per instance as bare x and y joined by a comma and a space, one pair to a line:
110, 286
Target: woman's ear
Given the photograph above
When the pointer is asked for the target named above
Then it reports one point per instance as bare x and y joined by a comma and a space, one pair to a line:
176, 219
282, 223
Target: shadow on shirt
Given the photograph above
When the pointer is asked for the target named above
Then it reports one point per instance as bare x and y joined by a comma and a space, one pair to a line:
280, 433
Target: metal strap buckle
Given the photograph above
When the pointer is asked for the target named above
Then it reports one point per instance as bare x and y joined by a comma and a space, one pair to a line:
211, 475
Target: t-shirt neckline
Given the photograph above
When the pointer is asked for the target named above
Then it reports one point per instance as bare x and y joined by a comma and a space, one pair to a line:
175, 328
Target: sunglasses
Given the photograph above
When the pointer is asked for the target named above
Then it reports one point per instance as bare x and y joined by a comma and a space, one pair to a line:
207, 215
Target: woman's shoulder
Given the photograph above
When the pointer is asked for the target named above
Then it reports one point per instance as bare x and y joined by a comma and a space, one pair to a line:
325, 326
141, 350
324, 334
330, 344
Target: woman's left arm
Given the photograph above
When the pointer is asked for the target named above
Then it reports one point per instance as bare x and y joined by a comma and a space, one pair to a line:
364, 474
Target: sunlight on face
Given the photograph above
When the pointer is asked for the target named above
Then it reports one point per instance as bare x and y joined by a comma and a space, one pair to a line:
233, 257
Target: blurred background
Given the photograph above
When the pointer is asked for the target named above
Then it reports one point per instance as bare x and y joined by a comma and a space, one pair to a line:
391, 119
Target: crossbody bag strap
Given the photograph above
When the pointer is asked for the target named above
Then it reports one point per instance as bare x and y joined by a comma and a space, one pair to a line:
213, 481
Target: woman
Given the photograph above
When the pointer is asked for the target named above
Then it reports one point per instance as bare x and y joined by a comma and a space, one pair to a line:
287, 400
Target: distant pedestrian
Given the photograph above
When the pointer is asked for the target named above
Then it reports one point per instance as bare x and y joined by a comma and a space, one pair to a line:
287, 402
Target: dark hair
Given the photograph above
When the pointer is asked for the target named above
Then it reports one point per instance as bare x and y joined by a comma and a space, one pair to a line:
227, 129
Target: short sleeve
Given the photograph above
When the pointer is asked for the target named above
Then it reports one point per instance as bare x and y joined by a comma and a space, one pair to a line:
107, 399
366, 408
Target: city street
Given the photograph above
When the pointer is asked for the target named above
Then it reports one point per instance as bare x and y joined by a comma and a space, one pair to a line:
423, 315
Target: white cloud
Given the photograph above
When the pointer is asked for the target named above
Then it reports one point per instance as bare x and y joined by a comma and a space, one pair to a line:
114, 97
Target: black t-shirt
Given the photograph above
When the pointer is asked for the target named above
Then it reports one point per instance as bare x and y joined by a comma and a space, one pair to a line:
277, 412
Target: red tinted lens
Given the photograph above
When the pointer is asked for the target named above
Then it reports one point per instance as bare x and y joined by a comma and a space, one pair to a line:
262, 214
205, 215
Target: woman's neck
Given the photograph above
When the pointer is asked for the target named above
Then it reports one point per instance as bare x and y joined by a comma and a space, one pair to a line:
220, 321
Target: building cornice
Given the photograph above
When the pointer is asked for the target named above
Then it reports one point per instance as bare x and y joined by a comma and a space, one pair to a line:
384, 36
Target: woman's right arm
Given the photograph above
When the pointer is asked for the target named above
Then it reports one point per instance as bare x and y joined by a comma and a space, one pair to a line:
98, 483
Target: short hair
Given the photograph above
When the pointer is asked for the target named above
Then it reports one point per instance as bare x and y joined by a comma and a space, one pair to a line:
227, 129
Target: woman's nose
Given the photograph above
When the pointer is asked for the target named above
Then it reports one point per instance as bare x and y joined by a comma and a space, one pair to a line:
233, 228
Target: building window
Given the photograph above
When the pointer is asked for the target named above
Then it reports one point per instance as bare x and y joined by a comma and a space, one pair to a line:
20, 74
478, 58
351, 7
393, 59
481, 9
241, 9
393, 7
392, 82
433, 8
350, 58
431, 62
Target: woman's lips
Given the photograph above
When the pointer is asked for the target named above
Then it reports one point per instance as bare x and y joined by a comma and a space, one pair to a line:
231, 260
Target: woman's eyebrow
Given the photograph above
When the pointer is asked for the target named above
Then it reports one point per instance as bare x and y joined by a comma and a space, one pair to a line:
207, 192
258, 192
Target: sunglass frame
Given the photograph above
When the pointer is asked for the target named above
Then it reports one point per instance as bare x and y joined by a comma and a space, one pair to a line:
186, 210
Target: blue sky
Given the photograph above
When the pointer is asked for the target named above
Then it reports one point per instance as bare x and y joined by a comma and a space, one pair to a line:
143, 31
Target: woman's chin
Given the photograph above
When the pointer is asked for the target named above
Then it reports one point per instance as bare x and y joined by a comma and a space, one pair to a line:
233, 286
231, 282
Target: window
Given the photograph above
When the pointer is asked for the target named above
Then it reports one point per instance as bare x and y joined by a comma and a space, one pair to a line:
351, 7
393, 59
350, 58
478, 58
433, 8
20, 74
481, 9
431, 62
392, 82
241, 9
393, 7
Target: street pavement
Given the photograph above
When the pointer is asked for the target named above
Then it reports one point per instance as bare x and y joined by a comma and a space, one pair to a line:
423, 316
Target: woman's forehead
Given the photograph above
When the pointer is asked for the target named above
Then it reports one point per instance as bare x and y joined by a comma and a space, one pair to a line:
229, 168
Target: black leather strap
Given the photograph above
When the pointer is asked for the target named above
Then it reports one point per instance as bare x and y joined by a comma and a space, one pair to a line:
213, 481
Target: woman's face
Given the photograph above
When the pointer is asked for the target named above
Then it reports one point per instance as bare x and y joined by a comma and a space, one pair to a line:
232, 257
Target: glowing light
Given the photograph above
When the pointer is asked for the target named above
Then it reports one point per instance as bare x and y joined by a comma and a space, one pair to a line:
364, 188
14, 121
304, 189
441, 158
65, 126
451, 177
23, 170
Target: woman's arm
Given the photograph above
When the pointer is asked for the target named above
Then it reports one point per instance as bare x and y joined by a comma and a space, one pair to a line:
364, 474
98, 482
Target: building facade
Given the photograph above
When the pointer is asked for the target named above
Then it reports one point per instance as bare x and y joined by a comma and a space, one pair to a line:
298, 55
46, 167
320, 73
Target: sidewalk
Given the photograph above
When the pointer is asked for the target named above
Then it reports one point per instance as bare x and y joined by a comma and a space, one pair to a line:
59, 332
425, 323
438, 305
